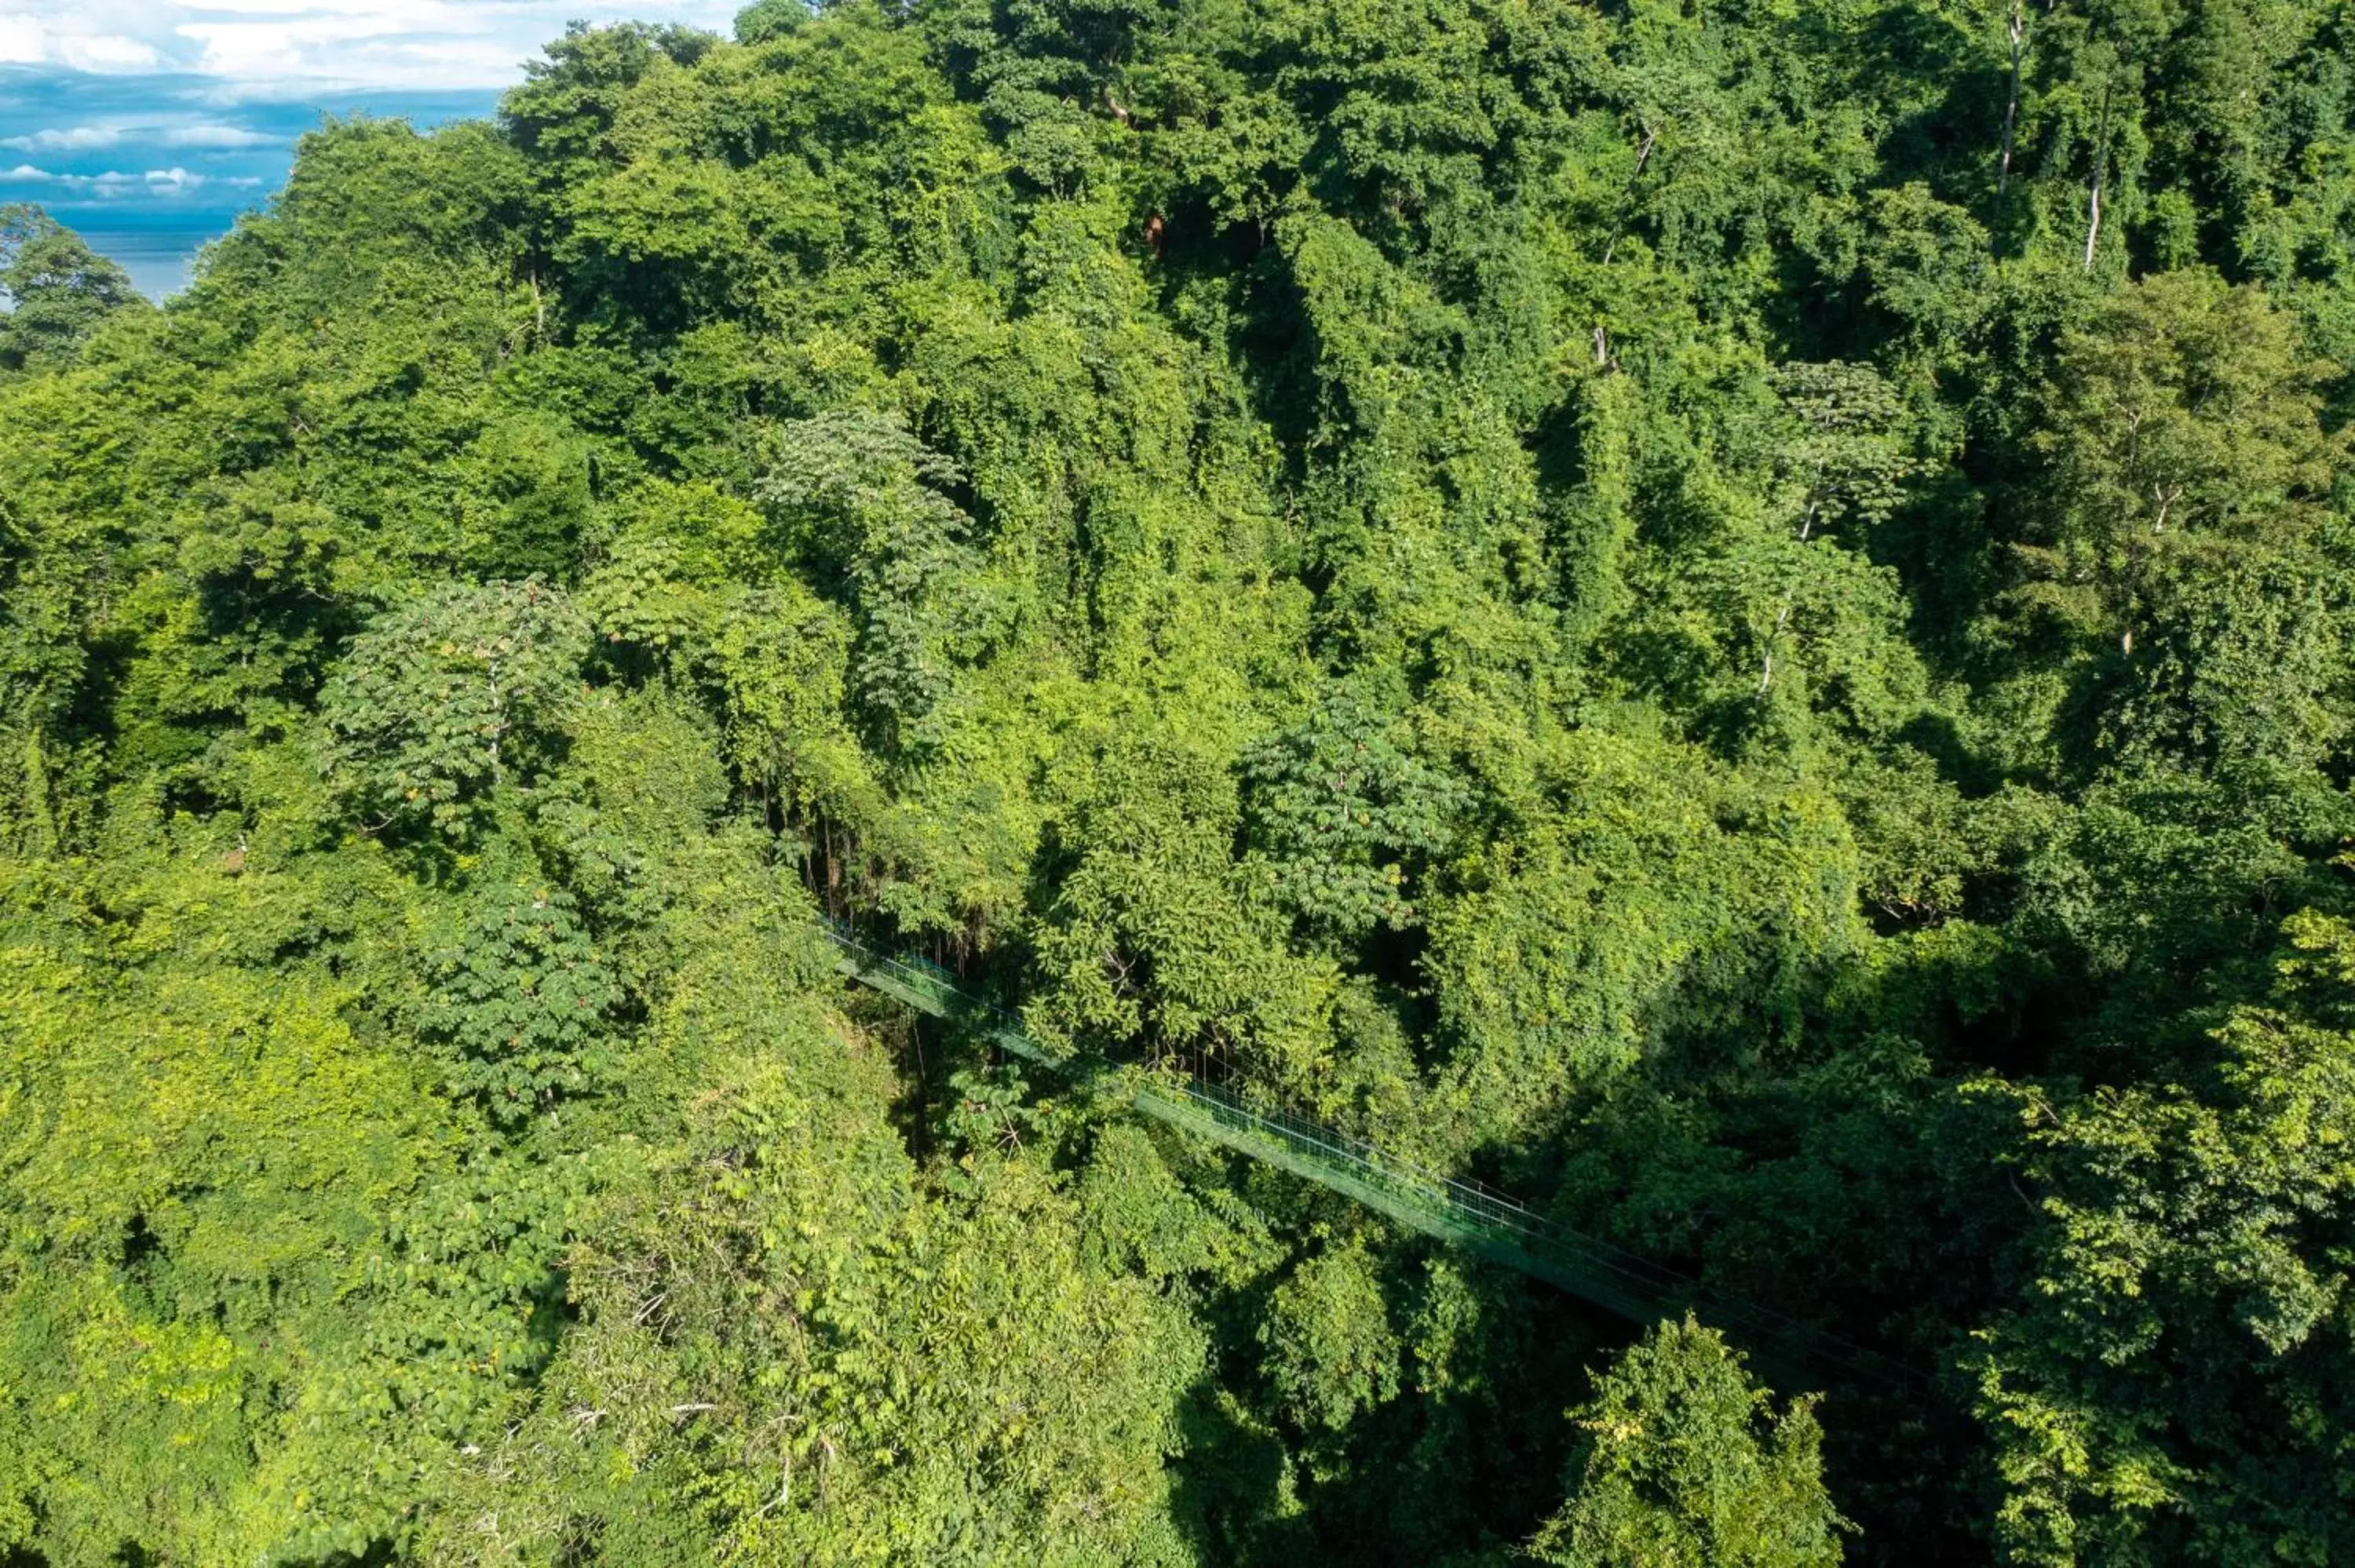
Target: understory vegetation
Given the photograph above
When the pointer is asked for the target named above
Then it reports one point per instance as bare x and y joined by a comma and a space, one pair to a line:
1731, 616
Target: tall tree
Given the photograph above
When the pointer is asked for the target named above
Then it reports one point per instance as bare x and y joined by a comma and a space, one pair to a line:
1682, 1458
57, 291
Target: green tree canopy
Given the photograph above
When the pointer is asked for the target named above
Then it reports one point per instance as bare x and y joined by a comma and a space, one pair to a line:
1731, 619
1682, 1458
57, 291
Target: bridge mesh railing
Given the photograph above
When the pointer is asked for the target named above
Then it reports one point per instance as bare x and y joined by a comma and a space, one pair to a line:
1460, 1202
1472, 1202
1574, 1255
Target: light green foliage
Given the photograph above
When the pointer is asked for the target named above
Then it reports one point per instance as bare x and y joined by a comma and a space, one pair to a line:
1683, 1459
1843, 455
1730, 617
1339, 805
1331, 1350
1155, 889
1135, 1208
189, 1224
2185, 418
1649, 895
443, 701
794, 1354
860, 502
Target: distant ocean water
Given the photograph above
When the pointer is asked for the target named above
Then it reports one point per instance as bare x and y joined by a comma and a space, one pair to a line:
149, 169
161, 261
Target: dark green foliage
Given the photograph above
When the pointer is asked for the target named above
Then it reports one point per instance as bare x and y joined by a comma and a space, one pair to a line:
2183, 1356
518, 1003
1340, 807
1730, 617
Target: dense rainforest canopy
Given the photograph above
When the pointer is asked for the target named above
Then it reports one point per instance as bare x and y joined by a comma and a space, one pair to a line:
1731, 615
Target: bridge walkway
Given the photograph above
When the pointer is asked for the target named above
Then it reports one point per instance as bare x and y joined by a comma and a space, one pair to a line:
1463, 1214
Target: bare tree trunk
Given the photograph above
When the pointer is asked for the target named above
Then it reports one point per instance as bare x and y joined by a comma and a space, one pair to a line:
2011, 105
1766, 669
499, 728
2092, 218
1643, 157
2101, 174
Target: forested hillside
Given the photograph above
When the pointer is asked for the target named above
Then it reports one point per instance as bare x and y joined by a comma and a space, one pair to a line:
1733, 616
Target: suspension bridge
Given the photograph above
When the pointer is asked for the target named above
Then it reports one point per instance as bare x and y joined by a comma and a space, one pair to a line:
1462, 1213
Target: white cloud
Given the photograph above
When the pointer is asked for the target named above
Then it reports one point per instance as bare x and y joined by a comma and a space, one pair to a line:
22, 41
214, 136
203, 136
77, 139
104, 52
29, 37
291, 48
172, 180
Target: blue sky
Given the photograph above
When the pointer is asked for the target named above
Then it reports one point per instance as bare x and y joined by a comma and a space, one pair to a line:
149, 125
